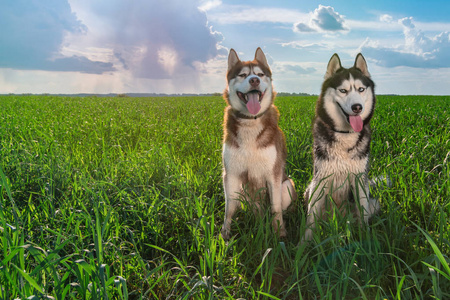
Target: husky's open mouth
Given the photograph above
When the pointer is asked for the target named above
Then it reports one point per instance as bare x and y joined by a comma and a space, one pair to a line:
354, 121
252, 100
245, 97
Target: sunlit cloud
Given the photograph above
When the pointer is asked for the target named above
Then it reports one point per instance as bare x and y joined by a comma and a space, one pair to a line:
324, 18
208, 5
168, 57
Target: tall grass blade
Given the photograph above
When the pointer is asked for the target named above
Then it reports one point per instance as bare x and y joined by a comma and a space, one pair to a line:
438, 254
30, 280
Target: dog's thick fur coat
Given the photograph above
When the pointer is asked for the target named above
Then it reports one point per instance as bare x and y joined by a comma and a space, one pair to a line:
254, 148
342, 135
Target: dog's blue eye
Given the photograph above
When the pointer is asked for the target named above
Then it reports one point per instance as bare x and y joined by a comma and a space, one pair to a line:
361, 89
343, 91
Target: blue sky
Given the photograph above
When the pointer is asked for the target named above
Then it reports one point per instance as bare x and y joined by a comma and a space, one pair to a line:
179, 46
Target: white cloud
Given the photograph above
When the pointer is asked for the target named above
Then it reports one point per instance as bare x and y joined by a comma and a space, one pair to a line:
208, 5
418, 50
386, 18
303, 27
323, 19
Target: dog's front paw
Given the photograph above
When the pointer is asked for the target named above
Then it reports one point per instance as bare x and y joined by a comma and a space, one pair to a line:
282, 232
279, 228
225, 233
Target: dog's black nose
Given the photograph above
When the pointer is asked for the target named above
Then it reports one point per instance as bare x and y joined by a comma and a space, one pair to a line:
254, 81
356, 108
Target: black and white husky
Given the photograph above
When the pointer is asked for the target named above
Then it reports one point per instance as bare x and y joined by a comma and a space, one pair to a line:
341, 132
254, 148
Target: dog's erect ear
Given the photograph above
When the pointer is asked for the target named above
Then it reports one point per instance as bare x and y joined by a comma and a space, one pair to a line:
233, 59
333, 65
261, 58
361, 64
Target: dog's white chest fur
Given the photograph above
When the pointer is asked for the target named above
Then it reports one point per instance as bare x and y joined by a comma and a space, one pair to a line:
341, 160
249, 157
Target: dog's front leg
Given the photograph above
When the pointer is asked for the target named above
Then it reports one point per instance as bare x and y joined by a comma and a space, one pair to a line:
370, 205
276, 203
232, 188
364, 202
363, 210
317, 194
288, 193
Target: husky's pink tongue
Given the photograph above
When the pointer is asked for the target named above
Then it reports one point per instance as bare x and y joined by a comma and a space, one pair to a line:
253, 105
356, 123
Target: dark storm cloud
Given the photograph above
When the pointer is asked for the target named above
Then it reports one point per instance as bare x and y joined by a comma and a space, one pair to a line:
141, 31
32, 33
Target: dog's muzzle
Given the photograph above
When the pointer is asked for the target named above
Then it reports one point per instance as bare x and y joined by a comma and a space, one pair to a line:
355, 121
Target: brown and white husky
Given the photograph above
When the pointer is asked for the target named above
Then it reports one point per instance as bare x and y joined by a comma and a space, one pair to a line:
254, 147
342, 135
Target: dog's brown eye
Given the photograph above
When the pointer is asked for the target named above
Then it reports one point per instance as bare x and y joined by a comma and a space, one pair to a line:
343, 91
361, 89
243, 75
260, 74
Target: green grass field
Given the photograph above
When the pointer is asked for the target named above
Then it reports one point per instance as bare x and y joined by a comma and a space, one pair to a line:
122, 198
